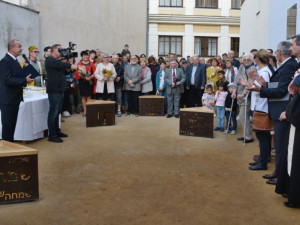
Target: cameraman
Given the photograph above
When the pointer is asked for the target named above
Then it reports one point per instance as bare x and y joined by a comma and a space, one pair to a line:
56, 83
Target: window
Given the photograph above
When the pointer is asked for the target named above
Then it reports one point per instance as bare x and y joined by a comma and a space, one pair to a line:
236, 4
206, 46
291, 22
170, 44
235, 46
207, 4
170, 3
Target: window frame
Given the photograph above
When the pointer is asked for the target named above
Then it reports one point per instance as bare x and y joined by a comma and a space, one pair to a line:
171, 4
170, 42
236, 2
236, 51
206, 38
199, 7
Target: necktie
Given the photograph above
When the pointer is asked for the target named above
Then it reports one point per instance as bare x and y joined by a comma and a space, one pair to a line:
173, 75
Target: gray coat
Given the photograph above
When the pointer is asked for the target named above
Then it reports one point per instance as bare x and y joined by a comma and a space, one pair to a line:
169, 80
147, 82
135, 77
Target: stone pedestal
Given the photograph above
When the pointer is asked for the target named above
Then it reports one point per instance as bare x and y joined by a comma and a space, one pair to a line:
100, 113
18, 173
151, 105
197, 121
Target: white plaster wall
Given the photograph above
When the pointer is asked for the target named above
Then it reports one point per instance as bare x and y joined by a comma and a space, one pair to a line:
153, 6
188, 41
189, 7
225, 6
153, 40
18, 23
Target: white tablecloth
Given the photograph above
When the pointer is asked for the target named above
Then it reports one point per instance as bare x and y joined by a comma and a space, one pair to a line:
32, 119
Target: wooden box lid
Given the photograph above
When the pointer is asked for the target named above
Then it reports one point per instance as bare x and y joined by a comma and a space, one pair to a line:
12, 149
197, 109
99, 102
151, 96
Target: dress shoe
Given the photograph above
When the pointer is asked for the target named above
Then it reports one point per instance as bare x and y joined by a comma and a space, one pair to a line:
240, 138
285, 195
177, 116
270, 176
249, 140
292, 205
253, 163
169, 116
217, 128
272, 181
55, 139
258, 166
62, 135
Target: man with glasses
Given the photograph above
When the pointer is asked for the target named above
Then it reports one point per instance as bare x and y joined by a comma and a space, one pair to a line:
132, 77
33, 59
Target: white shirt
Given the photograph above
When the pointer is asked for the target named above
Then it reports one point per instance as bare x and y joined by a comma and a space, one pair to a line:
193, 75
258, 103
11, 56
162, 79
228, 74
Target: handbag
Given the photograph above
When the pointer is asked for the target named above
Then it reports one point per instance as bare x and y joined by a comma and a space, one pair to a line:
262, 122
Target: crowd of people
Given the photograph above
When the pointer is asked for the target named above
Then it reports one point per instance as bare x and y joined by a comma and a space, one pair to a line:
258, 86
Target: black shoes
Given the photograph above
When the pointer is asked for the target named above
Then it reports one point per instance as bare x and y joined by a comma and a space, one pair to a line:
292, 205
240, 138
272, 181
246, 141
270, 176
62, 135
55, 139
169, 116
258, 166
177, 116
253, 163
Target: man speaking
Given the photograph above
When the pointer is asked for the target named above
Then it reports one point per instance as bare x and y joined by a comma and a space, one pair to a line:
11, 89
56, 83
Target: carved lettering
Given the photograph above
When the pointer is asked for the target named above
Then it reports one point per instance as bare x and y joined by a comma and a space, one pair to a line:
7, 195
21, 195
19, 160
2, 194
24, 177
4, 177
12, 196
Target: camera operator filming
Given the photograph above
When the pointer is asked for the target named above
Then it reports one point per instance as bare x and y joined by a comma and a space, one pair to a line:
56, 83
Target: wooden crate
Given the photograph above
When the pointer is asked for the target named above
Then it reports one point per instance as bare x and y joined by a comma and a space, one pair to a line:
151, 105
100, 113
197, 121
18, 173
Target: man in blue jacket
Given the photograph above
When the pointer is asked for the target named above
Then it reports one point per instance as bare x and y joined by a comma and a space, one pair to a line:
11, 89
195, 82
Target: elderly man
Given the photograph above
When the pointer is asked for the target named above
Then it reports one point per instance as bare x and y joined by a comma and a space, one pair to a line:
132, 77
11, 89
195, 82
277, 93
174, 79
236, 63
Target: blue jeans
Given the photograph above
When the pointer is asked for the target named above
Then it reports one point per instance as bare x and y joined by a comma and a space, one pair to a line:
232, 121
221, 114
164, 93
55, 106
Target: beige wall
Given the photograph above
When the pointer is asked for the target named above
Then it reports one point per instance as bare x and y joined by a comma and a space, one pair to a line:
105, 24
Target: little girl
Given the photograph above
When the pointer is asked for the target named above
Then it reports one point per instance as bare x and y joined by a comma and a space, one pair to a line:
220, 105
208, 98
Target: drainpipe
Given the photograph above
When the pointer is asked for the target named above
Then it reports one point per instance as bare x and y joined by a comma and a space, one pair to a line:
147, 29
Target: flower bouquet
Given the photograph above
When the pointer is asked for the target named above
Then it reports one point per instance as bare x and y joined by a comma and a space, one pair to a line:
107, 73
84, 74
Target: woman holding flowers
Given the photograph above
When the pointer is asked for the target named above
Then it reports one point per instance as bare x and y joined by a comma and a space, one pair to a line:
86, 79
212, 73
105, 75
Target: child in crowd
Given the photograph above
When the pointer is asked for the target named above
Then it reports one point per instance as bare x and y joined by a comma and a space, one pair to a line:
228, 103
220, 105
208, 98
221, 75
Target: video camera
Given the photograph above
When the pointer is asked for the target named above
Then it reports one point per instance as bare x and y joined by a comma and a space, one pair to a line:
67, 52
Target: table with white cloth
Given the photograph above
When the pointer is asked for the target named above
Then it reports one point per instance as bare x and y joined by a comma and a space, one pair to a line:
32, 117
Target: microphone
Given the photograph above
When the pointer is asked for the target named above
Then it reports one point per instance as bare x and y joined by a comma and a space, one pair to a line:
26, 59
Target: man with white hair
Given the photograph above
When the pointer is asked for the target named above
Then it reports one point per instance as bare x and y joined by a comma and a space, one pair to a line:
195, 82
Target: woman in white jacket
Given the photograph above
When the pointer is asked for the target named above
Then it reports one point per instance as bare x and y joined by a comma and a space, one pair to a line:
146, 82
105, 75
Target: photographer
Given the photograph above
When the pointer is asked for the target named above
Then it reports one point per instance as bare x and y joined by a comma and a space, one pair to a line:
56, 83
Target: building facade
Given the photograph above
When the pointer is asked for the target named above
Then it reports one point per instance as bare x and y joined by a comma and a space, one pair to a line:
264, 23
187, 27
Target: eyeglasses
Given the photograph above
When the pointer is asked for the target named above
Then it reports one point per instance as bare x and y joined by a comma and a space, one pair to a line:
36, 51
247, 60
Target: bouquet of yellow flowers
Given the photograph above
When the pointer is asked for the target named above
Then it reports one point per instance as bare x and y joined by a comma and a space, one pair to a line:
84, 74
107, 73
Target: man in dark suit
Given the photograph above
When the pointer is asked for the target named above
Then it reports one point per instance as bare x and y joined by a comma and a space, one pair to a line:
11, 89
174, 79
236, 62
278, 100
195, 82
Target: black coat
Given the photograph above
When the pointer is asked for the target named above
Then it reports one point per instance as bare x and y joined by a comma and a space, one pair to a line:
120, 73
291, 184
200, 76
284, 76
56, 80
11, 88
